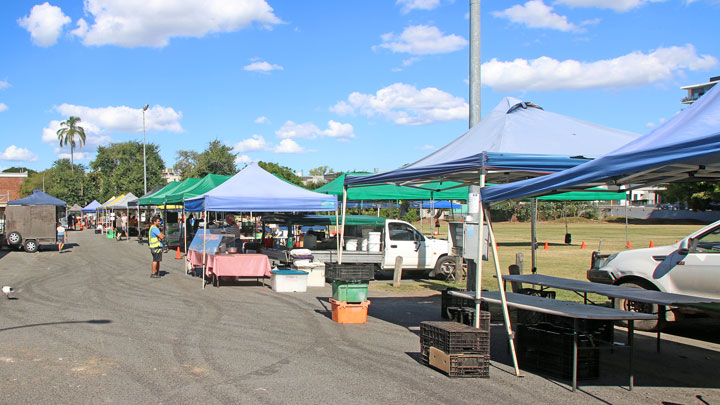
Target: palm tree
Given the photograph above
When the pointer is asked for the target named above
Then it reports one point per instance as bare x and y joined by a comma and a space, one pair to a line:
66, 135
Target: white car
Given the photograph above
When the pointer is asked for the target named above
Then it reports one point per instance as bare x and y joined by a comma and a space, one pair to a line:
691, 267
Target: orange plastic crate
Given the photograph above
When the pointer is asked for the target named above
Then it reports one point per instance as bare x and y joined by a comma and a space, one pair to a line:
342, 312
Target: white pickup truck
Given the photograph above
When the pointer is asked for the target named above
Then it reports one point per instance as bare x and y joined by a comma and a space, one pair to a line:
398, 238
690, 266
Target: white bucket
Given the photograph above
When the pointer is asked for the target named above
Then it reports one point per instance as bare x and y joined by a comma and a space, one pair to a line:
364, 245
374, 237
351, 244
373, 247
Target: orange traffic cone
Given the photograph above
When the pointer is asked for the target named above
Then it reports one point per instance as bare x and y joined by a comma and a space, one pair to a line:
178, 255
81, 227
652, 244
582, 245
547, 246
629, 245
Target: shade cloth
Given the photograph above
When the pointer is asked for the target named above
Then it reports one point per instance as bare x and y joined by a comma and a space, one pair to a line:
516, 140
155, 189
158, 196
254, 189
122, 203
75, 208
202, 186
685, 148
38, 198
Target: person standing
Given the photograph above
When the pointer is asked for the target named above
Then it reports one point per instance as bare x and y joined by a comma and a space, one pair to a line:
60, 237
155, 240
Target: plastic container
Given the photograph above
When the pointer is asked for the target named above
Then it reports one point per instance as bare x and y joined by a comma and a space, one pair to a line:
349, 271
351, 244
455, 338
349, 292
374, 241
288, 280
316, 272
343, 312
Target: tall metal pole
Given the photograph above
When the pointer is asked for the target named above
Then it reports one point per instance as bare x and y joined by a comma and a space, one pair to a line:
475, 62
144, 155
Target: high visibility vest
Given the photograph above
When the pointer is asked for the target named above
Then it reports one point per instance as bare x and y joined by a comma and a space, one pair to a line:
154, 241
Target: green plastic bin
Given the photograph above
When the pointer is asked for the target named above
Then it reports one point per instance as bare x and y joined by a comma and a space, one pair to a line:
349, 292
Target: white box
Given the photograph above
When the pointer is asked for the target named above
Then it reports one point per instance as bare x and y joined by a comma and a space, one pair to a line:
289, 280
316, 270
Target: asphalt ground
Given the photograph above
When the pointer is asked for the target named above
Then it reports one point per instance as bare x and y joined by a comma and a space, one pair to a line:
89, 326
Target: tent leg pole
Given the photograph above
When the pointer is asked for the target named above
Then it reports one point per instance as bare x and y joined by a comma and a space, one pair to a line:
342, 228
337, 228
205, 219
501, 288
479, 260
184, 225
533, 235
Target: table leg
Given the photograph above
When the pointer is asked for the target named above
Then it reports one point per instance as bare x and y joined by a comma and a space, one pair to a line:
631, 343
585, 298
575, 354
661, 317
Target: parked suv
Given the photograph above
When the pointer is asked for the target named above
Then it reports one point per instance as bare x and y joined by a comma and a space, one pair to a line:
690, 266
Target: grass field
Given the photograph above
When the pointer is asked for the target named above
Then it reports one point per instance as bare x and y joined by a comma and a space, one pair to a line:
562, 260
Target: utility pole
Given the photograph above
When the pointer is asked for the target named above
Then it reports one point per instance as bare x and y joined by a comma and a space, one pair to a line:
475, 62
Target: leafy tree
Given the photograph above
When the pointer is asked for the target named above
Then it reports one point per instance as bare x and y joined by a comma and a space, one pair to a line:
320, 171
19, 170
697, 196
62, 180
67, 133
118, 169
216, 159
283, 172
186, 163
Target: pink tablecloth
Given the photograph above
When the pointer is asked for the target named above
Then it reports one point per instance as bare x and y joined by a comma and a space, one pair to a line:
234, 265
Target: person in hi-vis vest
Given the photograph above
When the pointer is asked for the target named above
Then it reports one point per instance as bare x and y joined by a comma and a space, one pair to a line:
156, 246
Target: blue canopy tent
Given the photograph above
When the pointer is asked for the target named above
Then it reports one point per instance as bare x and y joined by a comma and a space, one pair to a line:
91, 207
685, 148
517, 140
38, 197
255, 190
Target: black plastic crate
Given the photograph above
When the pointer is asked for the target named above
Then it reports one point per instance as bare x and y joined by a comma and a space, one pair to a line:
549, 349
462, 365
349, 271
449, 301
454, 338
601, 330
466, 316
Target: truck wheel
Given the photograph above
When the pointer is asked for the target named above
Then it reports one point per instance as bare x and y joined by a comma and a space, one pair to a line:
634, 306
14, 238
444, 267
30, 245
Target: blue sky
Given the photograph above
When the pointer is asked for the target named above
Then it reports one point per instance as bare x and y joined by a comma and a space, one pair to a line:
353, 84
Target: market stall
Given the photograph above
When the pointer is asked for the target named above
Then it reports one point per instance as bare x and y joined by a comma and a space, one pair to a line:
255, 190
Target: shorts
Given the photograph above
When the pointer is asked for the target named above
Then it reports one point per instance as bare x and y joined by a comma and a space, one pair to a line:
61, 238
156, 254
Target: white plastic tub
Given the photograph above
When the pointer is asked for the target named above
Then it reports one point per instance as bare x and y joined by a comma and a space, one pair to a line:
289, 280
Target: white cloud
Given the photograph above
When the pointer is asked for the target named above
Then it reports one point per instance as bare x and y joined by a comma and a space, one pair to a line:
14, 153
425, 147
45, 24
619, 6
81, 30
75, 156
243, 159
290, 129
263, 67
132, 23
422, 40
339, 130
288, 146
126, 119
409, 5
536, 14
405, 105
93, 135
262, 120
631, 70
256, 142
3, 107
4, 84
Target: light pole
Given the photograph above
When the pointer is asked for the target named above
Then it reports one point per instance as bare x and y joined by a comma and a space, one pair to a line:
144, 158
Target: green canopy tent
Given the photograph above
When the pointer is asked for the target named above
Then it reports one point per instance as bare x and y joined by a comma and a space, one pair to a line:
201, 186
153, 199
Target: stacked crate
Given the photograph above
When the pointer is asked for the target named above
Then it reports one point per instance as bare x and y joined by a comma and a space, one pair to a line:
350, 284
456, 349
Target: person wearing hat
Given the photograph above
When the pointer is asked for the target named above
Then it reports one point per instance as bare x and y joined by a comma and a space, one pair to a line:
156, 238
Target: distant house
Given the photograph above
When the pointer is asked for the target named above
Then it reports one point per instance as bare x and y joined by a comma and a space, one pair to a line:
696, 91
171, 175
10, 185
